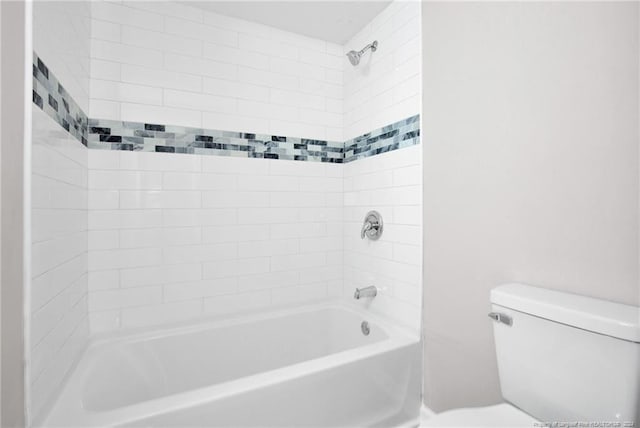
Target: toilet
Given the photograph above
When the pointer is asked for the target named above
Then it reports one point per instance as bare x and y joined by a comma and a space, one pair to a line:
562, 358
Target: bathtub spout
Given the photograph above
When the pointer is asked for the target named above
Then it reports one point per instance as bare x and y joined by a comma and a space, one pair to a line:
370, 291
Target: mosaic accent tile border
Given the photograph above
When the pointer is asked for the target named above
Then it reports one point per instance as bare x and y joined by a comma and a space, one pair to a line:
137, 136
53, 99
398, 135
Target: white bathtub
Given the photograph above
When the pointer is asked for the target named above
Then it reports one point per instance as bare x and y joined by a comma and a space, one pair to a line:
310, 366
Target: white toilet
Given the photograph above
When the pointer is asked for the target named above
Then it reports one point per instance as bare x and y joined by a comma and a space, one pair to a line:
561, 358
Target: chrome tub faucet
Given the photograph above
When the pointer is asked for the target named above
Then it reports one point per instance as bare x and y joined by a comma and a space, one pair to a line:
370, 291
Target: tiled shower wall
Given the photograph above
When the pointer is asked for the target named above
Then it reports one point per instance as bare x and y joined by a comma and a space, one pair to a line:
167, 62
176, 236
58, 294
384, 88
155, 251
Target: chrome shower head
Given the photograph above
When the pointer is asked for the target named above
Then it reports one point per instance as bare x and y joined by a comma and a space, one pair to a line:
354, 57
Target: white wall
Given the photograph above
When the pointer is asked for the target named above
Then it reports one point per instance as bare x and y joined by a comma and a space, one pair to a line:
531, 170
14, 54
166, 62
58, 294
391, 184
385, 87
177, 236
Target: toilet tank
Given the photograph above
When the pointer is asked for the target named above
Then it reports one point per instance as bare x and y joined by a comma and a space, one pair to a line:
567, 358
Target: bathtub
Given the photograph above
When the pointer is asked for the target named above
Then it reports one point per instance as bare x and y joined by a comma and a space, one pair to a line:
309, 366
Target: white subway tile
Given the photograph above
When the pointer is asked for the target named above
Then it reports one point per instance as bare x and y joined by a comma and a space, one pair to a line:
296, 199
103, 239
234, 233
123, 258
202, 102
225, 165
411, 254
118, 52
268, 280
218, 182
140, 238
410, 214
160, 78
221, 305
163, 274
268, 248
166, 8
165, 313
199, 253
301, 293
165, 162
108, 110
103, 280
160, 41
106, 70
156, 114
323, 184
104, 321
243, 90
181, 235
110, 11
123, 298
124, 219
110, 179
231, 268
267, 215
234, 199
233, 55
266, 78
235, 122
269, 47
297, 261
194, 30
268, 183
202, 217
200, 67
104, 30
200, 289
103, 159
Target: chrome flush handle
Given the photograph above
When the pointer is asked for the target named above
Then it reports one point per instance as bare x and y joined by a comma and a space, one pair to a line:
503, 318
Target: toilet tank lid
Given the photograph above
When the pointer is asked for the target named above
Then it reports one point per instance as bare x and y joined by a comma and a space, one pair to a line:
600, 316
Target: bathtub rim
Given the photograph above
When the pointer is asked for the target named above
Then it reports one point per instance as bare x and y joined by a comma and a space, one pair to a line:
132, 334
397, 337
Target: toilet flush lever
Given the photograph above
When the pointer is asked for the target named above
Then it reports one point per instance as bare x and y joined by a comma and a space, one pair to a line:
503, 318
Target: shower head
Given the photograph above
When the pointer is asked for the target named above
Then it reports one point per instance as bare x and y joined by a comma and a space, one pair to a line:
354, 57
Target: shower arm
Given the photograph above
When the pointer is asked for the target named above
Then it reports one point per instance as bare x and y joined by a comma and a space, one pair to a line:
373, 46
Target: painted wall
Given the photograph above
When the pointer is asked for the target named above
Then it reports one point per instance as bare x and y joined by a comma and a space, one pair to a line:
58, 295
176, 236
531, 170
166, 62
14, 54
